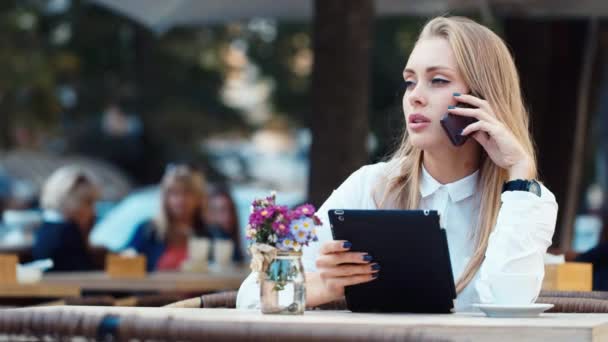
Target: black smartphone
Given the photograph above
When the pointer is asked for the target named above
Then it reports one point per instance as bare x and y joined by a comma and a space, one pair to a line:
454, 124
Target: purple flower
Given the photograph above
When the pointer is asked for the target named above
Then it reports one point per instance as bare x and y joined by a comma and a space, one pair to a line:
282, 209
305, 210
280, 228
255, 219
261, 215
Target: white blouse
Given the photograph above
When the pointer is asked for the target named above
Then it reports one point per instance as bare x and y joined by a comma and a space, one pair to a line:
523, 231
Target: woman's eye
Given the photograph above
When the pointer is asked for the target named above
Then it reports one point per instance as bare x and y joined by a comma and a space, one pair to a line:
439, 81
409, 84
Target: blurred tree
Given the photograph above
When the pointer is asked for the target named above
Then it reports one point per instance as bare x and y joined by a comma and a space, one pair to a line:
63, 65
340, 91
27, 82
393, 40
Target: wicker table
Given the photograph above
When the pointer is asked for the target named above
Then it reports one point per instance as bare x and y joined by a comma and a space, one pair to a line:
192, 324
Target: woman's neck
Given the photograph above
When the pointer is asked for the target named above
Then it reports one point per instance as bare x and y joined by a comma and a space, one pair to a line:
179, 233
449, 165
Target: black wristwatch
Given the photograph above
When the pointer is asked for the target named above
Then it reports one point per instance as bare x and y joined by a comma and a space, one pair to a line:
529, 185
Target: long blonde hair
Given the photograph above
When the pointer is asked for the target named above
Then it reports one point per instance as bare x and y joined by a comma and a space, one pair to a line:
191, 179
488, 69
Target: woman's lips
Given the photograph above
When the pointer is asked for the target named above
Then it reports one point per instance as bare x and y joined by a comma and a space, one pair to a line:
418, 122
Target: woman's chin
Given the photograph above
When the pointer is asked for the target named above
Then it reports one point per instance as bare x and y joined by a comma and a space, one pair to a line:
422, 141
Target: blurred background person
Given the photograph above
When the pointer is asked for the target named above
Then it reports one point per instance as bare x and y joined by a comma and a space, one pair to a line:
68, 200
5, 191
598, 256
164, 239
222, 219
590, 242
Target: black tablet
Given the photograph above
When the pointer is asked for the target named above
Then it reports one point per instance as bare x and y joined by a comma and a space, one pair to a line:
412, 250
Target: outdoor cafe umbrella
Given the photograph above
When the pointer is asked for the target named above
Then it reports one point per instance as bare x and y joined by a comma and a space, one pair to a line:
161, 15
34, 168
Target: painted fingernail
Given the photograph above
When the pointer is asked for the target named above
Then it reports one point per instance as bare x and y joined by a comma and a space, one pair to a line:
367, 257
375, 275
456, 94
451, 107
347, 245
375, 267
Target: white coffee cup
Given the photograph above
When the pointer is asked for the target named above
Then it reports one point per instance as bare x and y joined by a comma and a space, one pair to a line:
514, 288
198, 249
222, 252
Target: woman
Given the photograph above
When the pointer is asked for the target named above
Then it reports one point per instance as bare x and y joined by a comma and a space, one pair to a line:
164, 239
598, 256
455, 61
68, 200
223, 220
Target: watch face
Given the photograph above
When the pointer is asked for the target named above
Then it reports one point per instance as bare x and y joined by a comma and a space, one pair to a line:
534, 188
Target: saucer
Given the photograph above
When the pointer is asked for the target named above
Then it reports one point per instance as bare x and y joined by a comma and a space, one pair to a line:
526, 310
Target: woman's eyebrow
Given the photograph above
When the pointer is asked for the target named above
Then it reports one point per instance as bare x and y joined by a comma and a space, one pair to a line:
429, 69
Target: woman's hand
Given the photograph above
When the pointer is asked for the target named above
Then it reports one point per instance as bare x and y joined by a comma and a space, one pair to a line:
337, 267
498, 141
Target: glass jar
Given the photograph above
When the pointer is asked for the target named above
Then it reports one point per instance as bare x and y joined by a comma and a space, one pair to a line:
283, 288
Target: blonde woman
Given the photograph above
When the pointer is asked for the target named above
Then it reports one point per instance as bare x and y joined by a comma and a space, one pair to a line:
497, 216
68, 200
164, 239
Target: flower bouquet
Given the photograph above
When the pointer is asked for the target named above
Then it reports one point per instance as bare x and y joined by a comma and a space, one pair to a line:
277, 235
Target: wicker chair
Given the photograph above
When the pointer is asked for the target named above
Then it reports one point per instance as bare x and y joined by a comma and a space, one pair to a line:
90, 301
575, 301
156, 300
215, 300
228, 300
576, 294
564, 301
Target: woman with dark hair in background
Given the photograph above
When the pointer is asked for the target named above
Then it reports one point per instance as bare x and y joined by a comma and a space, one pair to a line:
223, 220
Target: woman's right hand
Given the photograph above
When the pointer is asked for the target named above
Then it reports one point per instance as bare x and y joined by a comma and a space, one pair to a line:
338, 267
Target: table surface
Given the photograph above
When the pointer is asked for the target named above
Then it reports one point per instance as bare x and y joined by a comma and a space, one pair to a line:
39, 290
459, 327
213, 280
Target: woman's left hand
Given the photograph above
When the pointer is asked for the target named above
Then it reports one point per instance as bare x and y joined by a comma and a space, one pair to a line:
498, 141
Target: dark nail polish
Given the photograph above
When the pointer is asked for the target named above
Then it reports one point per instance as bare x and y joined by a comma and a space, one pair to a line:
451, 107
347, 245
375, 267
456, 94
367, 257
375, 275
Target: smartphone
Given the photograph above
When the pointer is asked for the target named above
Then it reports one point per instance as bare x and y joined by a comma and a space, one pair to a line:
454, 124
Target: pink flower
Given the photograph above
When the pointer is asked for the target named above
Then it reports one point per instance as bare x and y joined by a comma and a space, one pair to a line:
305, 210
281, 228
260, 215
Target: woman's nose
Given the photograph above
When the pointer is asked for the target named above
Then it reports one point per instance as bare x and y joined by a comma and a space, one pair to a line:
416, 97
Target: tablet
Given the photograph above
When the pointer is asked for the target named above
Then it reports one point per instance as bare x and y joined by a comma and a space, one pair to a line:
412, 250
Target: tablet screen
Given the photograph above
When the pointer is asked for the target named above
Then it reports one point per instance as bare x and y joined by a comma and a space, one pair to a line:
411, 248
